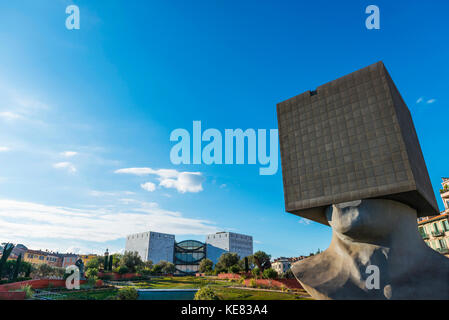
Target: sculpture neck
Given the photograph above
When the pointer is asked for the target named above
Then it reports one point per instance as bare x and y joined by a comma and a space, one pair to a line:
404, 240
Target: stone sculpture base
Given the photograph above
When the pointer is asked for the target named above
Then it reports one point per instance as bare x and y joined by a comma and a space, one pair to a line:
384, 234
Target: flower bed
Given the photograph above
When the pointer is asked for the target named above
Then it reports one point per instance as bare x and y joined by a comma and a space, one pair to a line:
5, 295
279, 283
35, 284
117, 276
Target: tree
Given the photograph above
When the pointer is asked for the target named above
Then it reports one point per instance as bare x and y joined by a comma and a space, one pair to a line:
110, 263
106, 263
131, 260
17, 268
116, 259
270, 274
262, 260
165, 267
122, 269
247, 263
227, 260
94, 263
234, 269
26, 268
7, 249
255, 272
157, 269
91, 273
206, 265
146, 268
148, 264
43, 270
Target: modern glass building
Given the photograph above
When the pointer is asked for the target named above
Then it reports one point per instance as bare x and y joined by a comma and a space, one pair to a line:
188, 255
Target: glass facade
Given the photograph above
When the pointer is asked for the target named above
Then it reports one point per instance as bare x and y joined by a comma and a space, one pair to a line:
188, 255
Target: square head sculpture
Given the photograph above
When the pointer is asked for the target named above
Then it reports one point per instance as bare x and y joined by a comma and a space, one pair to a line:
351, 139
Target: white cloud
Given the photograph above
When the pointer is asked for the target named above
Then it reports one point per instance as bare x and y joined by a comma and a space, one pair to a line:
65, 165
8, 115
136, 171
4, 149
429, 101
69, 154
184, 182
170, 178
26, 220
148, 186
222, 186
72, 249
305, 221
96, 193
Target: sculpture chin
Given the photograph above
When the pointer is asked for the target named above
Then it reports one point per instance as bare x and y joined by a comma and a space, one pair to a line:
378, 232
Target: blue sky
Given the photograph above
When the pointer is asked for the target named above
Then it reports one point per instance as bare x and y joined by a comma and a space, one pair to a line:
78, 105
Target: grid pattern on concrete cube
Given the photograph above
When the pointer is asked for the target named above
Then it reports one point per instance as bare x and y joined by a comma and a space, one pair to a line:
342, 143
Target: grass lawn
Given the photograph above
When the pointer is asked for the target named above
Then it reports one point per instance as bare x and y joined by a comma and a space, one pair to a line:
88, 295
178, 283
242, 294
221, 287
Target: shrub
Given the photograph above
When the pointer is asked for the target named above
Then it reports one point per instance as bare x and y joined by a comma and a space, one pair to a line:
255, 272
253, 283
227, 260
270, 274
131, 260
288, 274
234, 269
122, 269
144, 271
127, 293
94, 263
28, 291
166, 267
206, 293
206, 265
44, 271
91, 273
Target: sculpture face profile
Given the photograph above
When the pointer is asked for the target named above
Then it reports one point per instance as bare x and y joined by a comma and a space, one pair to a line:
351, 160
380, 233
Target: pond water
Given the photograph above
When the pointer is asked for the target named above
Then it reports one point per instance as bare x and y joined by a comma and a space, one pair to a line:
166, 294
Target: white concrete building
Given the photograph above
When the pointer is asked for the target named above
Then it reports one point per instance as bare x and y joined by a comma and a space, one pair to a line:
221, 242
281, 265
152, 246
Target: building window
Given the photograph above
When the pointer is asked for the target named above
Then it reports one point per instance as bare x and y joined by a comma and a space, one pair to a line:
435, 227
445, 225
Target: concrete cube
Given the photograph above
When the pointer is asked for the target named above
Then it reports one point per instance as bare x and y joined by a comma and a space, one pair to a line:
352, 138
